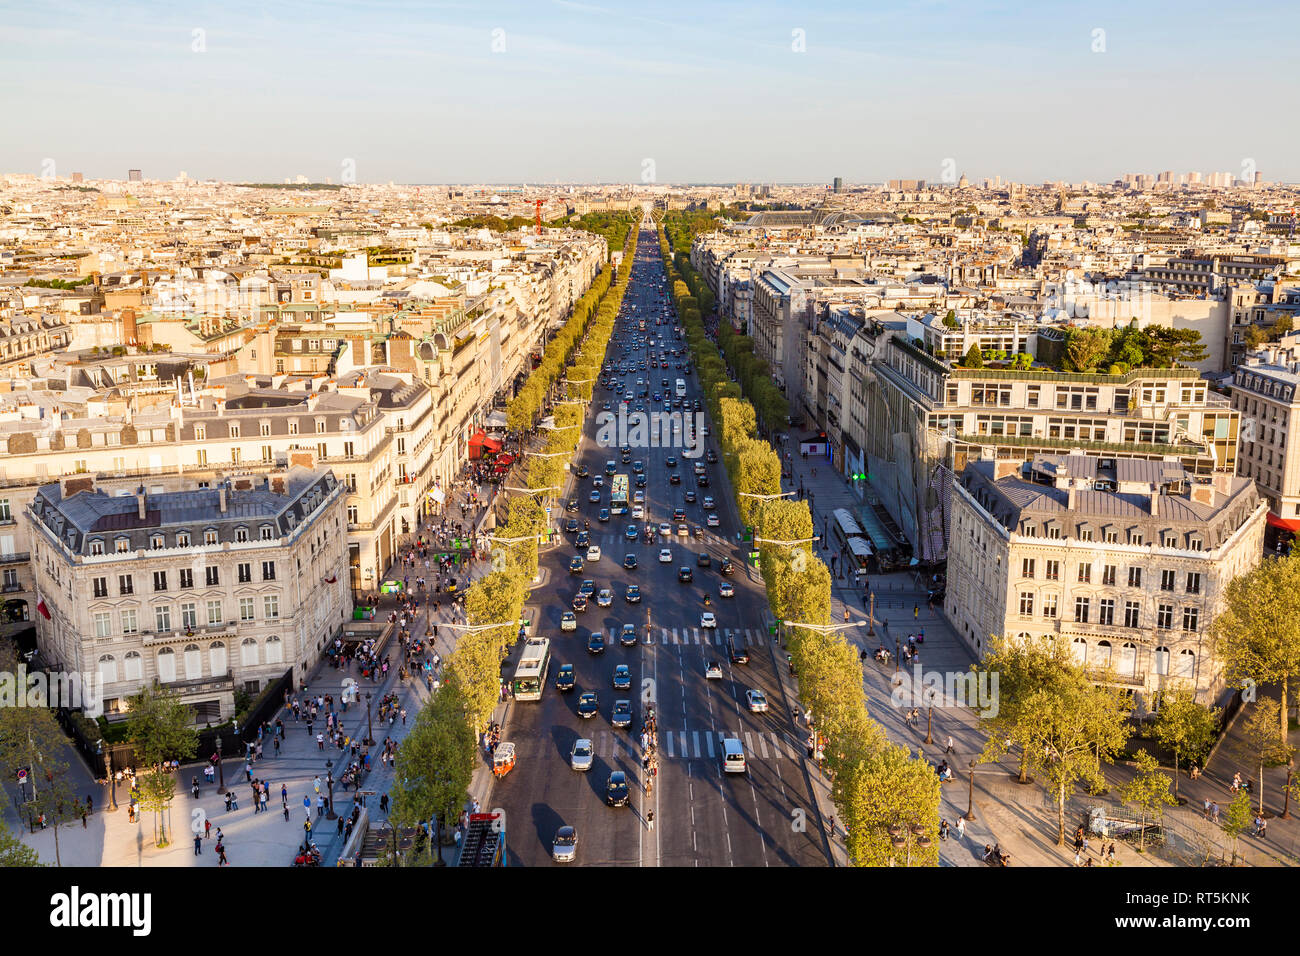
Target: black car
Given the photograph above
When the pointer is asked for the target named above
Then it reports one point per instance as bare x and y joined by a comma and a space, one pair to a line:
674, 479
671, 461
702, 481
704, 560
690, 497
711, 457
571, 525
582, 540
622, 715
633, 595
629, 562
572, 505
627, 637
640, 481
564, 680
575, 565
737, 651
596, 643
588, 706
583, 472
616, 789
726, 567
685, 575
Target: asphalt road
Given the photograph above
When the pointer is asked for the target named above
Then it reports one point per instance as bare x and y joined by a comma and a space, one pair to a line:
703, 816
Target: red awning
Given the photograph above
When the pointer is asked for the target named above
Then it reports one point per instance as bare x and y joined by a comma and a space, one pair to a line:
1283, 523
505, 459
480, 440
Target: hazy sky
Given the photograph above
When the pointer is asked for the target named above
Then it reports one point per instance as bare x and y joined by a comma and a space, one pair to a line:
689, 92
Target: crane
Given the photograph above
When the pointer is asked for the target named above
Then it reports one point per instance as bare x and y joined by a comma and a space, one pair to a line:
538, 203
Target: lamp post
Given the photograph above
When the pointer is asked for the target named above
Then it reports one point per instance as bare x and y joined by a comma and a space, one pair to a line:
370, 733
108, 772
871, 620
929, 720
901, 836
329, 782
970, 796
897, 654
221, 773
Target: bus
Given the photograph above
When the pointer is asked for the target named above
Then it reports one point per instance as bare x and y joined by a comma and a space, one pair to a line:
681, 388
530, 675
618, 496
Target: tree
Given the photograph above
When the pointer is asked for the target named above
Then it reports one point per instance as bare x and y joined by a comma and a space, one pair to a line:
30, 738
887, 788
974, 357
1167, 347
14, 852
157, 790
1021, 669
435, 765
1282, 326
1262, 742
1149, 792
1254, 337
1185, 727
160, 726
1086, 347
1237, 820
1257, 634
950, 319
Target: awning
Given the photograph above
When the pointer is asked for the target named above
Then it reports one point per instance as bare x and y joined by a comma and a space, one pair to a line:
860, 547
505, 459
1283, 523
497, 419
480, 441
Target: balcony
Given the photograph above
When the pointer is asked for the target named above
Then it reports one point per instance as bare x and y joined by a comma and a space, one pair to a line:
18, 557
202, 685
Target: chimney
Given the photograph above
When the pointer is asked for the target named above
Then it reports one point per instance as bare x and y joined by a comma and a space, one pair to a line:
221, 496
1155, 501
140, 503
1070, 495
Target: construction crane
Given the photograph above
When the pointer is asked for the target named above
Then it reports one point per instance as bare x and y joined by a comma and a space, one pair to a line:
538, 203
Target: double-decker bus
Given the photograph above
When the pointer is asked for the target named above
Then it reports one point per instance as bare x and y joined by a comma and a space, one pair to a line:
530, 674
618, 496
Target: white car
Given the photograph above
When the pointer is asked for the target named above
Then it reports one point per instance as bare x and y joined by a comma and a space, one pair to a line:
682, 530
708, 620
713, 671
638, 513
665, 530
593, 553
712, 521
598, 481
581, 756
605, 598
757, 701
569, 621
665, 556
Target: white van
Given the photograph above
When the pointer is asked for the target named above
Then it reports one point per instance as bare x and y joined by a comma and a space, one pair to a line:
733, 756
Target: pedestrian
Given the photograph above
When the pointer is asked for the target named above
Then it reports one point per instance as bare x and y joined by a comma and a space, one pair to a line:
650, 819
207, 829
320, 807
1214, 812
916, 612
198, 845
949, 749
276, 741
383, 804
1207, 808
961, 827
320, 741
286, 813
943, 830
316, 783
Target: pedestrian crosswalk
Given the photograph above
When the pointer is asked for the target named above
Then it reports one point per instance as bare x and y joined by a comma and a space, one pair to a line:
702, 744
718, 636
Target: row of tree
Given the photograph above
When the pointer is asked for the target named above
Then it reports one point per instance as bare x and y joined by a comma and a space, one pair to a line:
879, 788
1116, 351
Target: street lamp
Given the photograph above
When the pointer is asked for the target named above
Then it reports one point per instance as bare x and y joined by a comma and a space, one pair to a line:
329, 782
370, 733
746, 494
108, 771
221, 773
970, 796
906, 836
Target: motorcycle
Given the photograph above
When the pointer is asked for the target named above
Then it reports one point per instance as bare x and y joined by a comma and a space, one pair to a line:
706, 600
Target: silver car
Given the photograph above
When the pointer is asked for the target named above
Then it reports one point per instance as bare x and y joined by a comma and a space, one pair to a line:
581, 755
565, 847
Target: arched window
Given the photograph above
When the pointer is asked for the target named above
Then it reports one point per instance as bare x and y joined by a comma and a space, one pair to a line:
166, 665
274, 650
1160, 661
1185, 664
217, 658
1079, 648
193, 662
1127, 665
133, 666
157, 541
1102, 657
248, 652
108, 669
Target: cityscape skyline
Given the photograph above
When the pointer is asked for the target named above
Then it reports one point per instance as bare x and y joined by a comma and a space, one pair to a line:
502, 79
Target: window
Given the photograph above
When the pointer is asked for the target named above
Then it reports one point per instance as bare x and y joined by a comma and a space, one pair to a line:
1108, 575
1135, 577
133, 666
1102, 659
320, 426
157, 541
1027, 568
248, 652
162, 617
267, 453
217, 658
293, 427
200, 433
236, 456
160, 580
215, 615
129, 623
122, 545
245, 609
1193, 582
268, 570
182, 539
1053, 570
5, 513
1049, 605
1191, 619
1135, 537
352, 514
103, 624
1185, 664
210, 536
1160, 660
1165, 616
201, 456
97, 546
1085, 534
1167, 580
1106, 611
1079, 648
100, 587
1194, 542
212, 576
166, 665
245, 572
274, 650
1053, 531
189, 615
241, 534
108, 669
271, 605
1111, 536
1085, 574
1027, 604
234, 429
193, 662
264, 429
268, 532
1082, 605
125, 585
187, 578
1132, 614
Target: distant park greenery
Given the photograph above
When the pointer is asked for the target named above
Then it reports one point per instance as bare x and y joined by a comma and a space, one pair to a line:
67, 285
293, 187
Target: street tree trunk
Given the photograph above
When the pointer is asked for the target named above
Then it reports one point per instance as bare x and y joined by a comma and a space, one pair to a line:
1177, 761
1283, 711
1060, 813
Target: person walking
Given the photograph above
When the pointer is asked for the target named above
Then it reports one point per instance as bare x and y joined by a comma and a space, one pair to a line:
650, 819
949, 749
207, 829
961, 827
198, 845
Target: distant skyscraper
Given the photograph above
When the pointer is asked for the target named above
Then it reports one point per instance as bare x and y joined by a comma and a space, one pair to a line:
133, 175
1194, 178
1259, 178
837, 184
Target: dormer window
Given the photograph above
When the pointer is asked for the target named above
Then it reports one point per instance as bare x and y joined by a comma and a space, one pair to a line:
157, 541
1135, 537
241, 534
97, 546
1195, 543
268, 532
1053, 531
122, 545
210, 536
182, 539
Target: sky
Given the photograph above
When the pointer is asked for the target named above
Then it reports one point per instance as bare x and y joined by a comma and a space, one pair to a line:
561, 90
